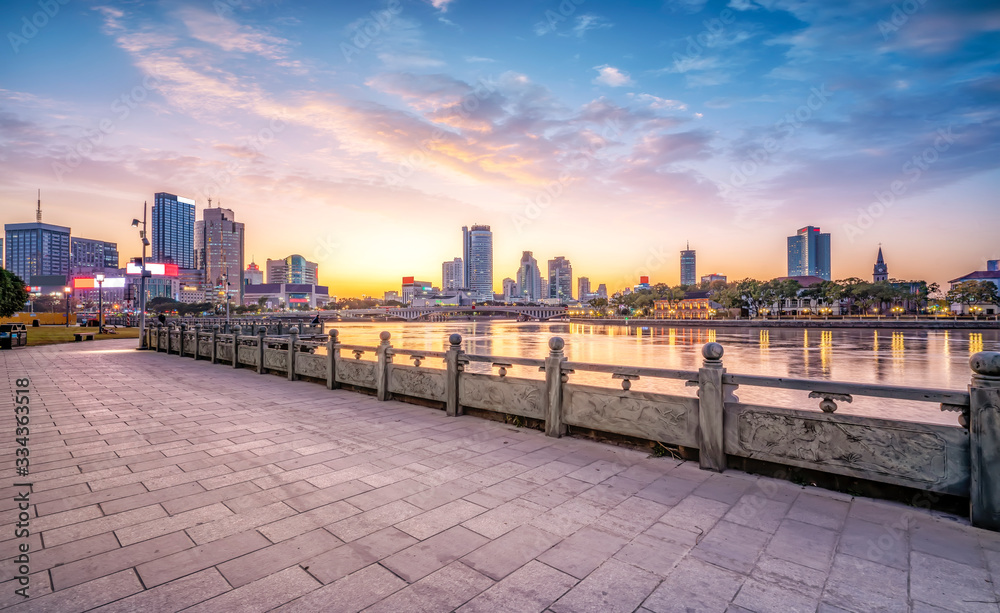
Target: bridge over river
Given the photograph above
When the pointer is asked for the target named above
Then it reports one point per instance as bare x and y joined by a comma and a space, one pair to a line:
540, 313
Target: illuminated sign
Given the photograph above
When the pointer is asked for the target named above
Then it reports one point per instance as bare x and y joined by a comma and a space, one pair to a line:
644, 280
298, 297
91, 283
159, 270
407, 280
184, 200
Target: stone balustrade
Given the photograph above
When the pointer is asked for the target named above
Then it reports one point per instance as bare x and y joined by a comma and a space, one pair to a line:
961, 460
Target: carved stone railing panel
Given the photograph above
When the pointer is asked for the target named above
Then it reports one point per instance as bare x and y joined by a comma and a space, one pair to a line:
224, 352
248, 355
175, 342
523, 397
418, 382
924, 456
205, 346
276, 359
188, 344
360, 373
310, 365
656, 417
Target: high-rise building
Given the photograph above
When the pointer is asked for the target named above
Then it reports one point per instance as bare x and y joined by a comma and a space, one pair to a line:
173, 230
415, 289
253, 274
809, 254
509, 289
293, 269
477, 259
689, 275
560, 279
583, 289
529, 278
881, 270
993, 265
602, 291
218, 250
92, 255
36, 248
453, 274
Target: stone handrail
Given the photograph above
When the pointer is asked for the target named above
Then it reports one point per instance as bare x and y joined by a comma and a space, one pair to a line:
961, 459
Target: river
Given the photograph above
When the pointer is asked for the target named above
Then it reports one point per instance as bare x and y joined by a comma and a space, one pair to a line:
915, 358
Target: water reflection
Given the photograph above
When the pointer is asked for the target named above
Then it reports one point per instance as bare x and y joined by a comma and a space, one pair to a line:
921, 358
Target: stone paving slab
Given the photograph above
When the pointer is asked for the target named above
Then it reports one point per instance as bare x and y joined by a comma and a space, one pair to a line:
162, 484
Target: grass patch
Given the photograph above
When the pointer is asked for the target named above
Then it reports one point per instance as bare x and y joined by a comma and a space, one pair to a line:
52, 335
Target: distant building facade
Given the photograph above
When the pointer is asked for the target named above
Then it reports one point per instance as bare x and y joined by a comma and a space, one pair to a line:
809, 253
560, 279
415, 289
509, 290
253, 275
477, 260
218, 248
87, 255
583, 289
288, 295
602, 291
172, 238
453, 274
293, 269
694, 305
529, 278
712, 278
881, 271
689, 268
36, 248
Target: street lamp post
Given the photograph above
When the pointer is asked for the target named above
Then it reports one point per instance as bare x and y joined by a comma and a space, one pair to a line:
68, 294
99, 277
142, 278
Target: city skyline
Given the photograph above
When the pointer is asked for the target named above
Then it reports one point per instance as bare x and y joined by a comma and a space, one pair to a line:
607, 135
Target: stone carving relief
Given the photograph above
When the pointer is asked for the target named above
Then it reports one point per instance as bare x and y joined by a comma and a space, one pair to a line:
417, 382
248, 355
622, 414
503, 395
356, 372
276, 359
310, 365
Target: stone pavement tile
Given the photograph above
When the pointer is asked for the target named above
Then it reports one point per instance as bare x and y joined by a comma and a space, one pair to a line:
425, 557
611, 492
950, 585
532, 588
695, 586
146, 477
86, 498
386, 494
556, 492
882, 512
213, 483
158, 483
442, 494
102, 524
150, 529
584, 551
274, 558
347, 559
695, 513
723, 488
649, 469
756, 511
173, 596
875, 542
171, 567
859, 585
756, 595
550, 471
363, 524
506, 554
789, 576
205, 498
55, 495
83, 597
73, 516
265, 497
349, 594
731, 546
143, 498
50, 557
819, 510
327, 495
946, 539
444, 590
804, 544
439, 519
612, 588
504, 518
93, 567
305, 522
671, 534
668, 490
261, 595
358, 472
233, 524
632, 517
923, 607
598, 471
505, 491
653, 555
38, 585
75, 479
569, 517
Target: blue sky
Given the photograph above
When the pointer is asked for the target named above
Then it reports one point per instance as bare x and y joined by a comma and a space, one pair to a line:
363, 135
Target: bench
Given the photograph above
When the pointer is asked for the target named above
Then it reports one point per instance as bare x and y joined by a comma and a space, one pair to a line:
83, 336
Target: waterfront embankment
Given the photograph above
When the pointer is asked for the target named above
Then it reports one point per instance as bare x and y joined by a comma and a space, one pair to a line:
860, 324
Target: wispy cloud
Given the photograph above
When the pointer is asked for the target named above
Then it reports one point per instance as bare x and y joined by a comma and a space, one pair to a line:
611, 76
585, 23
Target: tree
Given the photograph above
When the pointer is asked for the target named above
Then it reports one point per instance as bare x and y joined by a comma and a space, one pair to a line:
745, 294
47, 304
600, 305
968, 293
13, 293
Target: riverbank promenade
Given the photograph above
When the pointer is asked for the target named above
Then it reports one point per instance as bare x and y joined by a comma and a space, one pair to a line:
165, 484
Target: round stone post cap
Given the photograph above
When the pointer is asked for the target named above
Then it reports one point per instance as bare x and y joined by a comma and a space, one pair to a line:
712, 351
556, 343
384, 336
293, 330
455, 339
986, 363
334, 334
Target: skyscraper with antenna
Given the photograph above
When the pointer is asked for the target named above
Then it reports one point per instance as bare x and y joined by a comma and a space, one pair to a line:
689, 274
36, 248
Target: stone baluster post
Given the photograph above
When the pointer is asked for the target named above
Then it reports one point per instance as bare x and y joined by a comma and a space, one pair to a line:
158, 331
332, 355
454, 370
984, 435
236, 345
170, 334
183, 332
382, 366
260, 351
197, 340
554, 390
293, 337
711, 404
215, 344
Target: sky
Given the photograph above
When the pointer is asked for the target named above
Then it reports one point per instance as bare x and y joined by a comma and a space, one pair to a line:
364, 135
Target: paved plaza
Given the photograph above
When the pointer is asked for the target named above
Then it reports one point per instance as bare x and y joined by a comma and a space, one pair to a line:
165, 484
